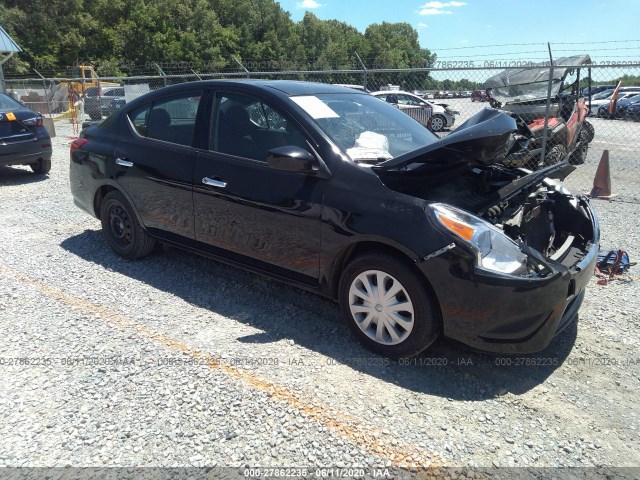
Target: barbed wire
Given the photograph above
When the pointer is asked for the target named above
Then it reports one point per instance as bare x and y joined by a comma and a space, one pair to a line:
537, 43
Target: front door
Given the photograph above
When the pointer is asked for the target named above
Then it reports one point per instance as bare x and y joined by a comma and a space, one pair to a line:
266, 218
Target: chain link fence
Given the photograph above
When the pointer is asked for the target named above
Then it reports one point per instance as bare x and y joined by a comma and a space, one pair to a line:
454, 94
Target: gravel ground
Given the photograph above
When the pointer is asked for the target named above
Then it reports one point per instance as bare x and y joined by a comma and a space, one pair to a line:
176, 360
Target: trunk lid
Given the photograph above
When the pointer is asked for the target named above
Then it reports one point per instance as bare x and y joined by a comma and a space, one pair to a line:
17, 126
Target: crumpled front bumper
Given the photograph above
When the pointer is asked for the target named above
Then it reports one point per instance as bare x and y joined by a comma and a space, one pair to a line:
503, 314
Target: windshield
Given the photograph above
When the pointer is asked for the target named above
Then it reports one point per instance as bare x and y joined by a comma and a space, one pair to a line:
8, 103
525, 92
363, 127
602, 95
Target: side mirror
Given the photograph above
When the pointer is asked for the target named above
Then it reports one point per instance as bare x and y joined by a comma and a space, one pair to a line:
296, 159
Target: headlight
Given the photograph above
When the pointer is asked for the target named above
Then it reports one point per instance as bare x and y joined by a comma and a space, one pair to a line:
495, 251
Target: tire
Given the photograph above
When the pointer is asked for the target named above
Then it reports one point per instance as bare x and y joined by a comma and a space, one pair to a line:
579, 155
438, 123
94, 115
421, 320
556, 154
591, 131
121, 228
43, 166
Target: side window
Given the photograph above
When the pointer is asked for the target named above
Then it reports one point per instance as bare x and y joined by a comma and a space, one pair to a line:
171, 120
139, 119
407, 100
244, 126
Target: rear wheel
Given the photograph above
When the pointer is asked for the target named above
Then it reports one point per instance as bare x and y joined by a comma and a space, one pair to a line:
43, 166
556, 155
121, 228
388, 306
438, 123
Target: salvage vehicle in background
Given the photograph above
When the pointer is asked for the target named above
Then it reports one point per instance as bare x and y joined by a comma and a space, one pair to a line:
342, 194
23, 138
631, 111
434, 116
523, 92
479, 96
97, 100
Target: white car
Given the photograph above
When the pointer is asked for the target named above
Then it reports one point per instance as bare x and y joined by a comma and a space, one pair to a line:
437, 119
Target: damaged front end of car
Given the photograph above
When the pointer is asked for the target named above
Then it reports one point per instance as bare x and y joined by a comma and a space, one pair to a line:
518, 236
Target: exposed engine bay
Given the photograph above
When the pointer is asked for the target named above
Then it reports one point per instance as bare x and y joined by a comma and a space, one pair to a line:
531, 208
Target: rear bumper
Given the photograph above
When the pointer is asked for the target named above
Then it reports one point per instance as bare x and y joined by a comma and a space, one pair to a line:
507, 314
25, 153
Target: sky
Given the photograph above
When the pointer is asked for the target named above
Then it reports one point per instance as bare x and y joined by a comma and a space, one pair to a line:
455, 30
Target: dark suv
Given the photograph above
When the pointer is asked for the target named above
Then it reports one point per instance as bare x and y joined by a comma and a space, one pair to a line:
339, 193
479, 96
98, 100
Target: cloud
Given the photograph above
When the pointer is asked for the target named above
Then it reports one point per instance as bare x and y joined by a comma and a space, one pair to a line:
308, 4
464, 41
441, 5
422, 25
434, 11
437, 8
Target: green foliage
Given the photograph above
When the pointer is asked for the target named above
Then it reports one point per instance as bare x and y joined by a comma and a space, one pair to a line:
131, 36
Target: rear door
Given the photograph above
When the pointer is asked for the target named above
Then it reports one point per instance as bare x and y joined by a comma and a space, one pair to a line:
246, 210
154, 162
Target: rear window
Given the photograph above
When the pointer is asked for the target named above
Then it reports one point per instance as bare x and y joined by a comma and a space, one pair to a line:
92, 91
8, 103
114, 92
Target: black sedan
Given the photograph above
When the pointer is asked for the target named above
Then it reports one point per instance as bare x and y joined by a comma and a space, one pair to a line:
23, 138
631, 110
336, 192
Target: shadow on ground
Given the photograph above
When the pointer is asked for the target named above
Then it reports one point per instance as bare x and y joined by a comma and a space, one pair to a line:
19, 176
448, 370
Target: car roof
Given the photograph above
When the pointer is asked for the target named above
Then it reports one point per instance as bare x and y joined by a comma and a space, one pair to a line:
289, 88
394, 92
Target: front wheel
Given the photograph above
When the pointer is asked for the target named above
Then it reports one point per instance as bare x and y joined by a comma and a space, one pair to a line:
388, 306
579, 155
121, 228
591, 131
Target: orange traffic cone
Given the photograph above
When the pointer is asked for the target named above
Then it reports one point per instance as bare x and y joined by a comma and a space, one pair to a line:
602, 180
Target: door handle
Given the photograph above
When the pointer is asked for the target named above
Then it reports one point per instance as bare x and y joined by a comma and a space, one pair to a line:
214, 183
124, 162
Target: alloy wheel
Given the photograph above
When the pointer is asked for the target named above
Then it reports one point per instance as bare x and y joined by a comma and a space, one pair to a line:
437, 123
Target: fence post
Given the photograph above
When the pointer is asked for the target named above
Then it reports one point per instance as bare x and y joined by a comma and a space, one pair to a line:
364, 71
547, 109
194, 72
237, 60
164, 76
44, 86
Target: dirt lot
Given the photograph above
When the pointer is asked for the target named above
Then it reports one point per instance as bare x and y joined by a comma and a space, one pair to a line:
177, 360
